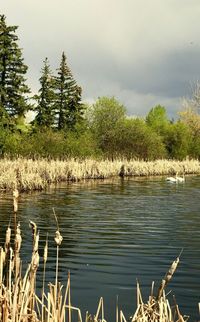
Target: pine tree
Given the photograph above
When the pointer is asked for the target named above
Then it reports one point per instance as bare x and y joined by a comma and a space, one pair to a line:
13, 90
45, 107
68, 104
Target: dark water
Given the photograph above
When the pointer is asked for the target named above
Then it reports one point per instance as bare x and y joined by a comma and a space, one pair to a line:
114, 232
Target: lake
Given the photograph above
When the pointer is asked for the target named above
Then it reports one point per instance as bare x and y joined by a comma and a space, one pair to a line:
114, 232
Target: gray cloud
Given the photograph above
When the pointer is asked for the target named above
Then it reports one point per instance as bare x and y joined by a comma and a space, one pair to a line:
143, 52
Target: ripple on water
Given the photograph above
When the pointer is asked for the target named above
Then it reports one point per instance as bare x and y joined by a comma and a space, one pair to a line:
114, 232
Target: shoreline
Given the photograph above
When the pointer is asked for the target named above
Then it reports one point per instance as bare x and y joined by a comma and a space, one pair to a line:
29, 175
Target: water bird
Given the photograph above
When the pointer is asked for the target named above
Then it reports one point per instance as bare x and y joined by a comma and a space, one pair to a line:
180, 179
172, 179
176, 178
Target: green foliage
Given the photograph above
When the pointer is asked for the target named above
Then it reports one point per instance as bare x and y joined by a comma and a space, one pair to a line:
119, 136
140, 141
68, 106
157, 119
178, 141
81, 145
107, 119
45, 99
13, 90
195, 148
191, 119
65, 127
51, 143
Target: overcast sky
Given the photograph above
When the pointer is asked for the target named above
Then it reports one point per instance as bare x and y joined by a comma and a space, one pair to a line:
143, 52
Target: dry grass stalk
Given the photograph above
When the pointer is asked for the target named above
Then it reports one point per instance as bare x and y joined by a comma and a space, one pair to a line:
29, 174
44, 273
122, 317
58, 239
100, 309
19, 303
158, 308
18, 241
168, 275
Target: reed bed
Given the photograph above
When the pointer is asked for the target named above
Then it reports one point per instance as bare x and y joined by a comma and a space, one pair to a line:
28, 174
20, 303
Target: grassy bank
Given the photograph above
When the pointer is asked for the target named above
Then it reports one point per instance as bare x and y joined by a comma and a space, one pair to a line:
20, 303
28, 174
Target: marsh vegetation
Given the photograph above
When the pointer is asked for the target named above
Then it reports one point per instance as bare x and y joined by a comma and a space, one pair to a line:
27, 174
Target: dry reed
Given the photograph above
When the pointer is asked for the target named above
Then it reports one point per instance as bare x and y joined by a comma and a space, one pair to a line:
20, 303
27, 174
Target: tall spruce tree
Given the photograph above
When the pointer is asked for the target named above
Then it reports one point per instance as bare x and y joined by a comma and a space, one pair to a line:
45, 99
69, 108
13, 90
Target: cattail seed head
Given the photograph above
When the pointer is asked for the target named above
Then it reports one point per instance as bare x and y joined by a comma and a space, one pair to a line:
15, 200
18, 239
45, 252
15, 193
8, 235
33, 227
35, 262
36, 241
2, 255
58, 238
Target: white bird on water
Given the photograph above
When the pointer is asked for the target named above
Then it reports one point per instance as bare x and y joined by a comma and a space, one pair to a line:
176, 178
171, 179
181, 179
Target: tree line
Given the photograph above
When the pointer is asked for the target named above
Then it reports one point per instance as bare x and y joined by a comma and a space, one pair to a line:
65, 127
58, 102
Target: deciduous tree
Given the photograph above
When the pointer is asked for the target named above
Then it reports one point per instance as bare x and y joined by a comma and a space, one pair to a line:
107, 121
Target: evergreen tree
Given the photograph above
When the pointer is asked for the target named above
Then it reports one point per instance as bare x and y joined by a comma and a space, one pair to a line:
13, 90
45, 107
68, 104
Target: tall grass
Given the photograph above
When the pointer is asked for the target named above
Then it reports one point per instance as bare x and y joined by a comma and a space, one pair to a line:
20, 303
28, 174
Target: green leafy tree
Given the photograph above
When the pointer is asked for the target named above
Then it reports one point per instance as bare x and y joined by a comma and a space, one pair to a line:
81, 143
68, 106
191, 118
178, 141
106, 120
45, 99
139, 141
157, 119
13, 90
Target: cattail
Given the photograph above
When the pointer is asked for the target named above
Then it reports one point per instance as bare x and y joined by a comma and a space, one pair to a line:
58, 238
18, 239
8, 235
2, 261
15, 200
168, 276
36, 241
34, 227
171, 271
34, 231
45, 252
2, 255
12, 262
44, 273
35, 262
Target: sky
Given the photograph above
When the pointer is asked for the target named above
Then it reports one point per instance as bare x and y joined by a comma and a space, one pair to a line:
142, 52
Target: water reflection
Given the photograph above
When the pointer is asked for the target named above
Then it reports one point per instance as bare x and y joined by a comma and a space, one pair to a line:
114, 232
